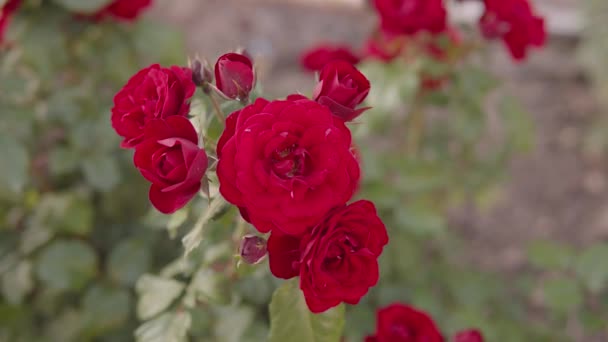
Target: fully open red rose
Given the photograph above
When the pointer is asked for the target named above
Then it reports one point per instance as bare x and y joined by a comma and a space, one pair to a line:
468, 336
5, 14
316, 58
124, 9
514, 22
153, 93
403, 323
337, 260
342, 88
286, 163
234, 75
170, 158
411, 16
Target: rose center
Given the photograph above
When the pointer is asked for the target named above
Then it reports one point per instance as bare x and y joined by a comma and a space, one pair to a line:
167, 161
290, 162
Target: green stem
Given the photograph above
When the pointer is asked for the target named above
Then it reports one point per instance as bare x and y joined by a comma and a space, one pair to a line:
216, 109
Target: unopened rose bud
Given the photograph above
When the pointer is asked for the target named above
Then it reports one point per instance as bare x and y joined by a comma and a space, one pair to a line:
197, 72
234, 76
201, 74
252, 249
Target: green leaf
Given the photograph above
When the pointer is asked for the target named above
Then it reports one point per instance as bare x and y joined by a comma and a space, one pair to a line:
17, 282
105, 309
562, 295
14, 171
128, 261
65, 212
155, 294
291, 320
549, 255
592, 268
83, 6
195, 236
101, 171
232, 322
206, 287
63, 160
168, 327
66, 265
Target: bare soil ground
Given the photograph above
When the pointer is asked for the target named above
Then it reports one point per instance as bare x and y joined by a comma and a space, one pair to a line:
557, 191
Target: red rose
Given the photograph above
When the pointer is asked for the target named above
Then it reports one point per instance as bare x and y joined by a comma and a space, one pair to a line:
5, 14
234, 75
341, 88
170, 158
124, 9
515, 23
316, 58
337, 260
411, 16
403, 323
286, 163
153, 93
468, 336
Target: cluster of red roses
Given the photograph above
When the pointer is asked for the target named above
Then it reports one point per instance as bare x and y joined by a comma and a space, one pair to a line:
118, 9
403, 323
150, 114
402, 21
288, 165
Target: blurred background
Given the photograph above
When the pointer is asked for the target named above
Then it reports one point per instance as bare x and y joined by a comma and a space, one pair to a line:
506, 234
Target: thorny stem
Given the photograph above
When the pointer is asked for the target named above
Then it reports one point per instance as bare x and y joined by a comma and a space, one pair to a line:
216, 108
241, 228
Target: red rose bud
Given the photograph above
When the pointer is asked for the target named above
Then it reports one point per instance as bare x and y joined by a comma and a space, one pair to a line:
169, 157
234, 75
515, 23
408, 17
469, 336
316, 58
285, 164
341, 88
127, 10
398, 322
153, 93
6, 13
337, 259
252, 249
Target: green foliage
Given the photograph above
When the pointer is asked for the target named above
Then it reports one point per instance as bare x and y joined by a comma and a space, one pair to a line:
72, 241
66, 265
291, 320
